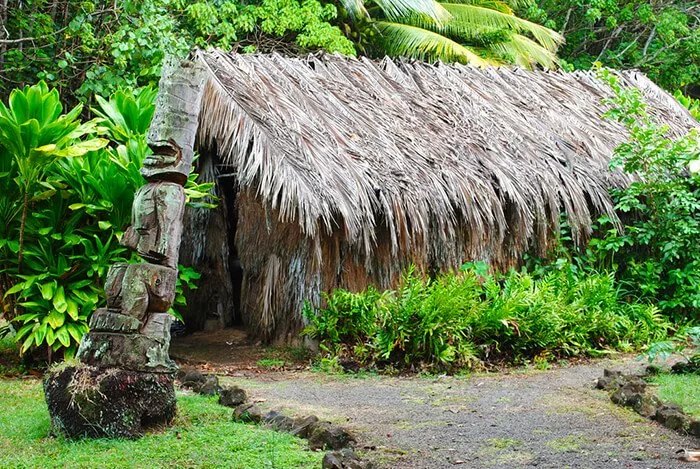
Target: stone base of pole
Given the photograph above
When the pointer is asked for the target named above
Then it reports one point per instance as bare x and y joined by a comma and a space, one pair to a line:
86, 401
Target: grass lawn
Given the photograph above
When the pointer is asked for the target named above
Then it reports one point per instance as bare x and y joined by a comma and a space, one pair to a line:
10, 363
203, 435
681, 389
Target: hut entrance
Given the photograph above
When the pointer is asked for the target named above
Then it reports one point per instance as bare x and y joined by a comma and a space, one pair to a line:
228, 193
208, 245
214, 323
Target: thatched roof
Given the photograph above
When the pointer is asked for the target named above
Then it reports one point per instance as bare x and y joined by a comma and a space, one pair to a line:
419, 150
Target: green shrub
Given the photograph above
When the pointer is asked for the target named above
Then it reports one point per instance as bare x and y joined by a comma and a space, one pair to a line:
657, 256
65, 199
457, 320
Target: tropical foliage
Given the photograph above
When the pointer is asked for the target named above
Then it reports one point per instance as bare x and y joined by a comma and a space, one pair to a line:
66, 196
86, 47
468, 31
458, 321
660, 38
657, 255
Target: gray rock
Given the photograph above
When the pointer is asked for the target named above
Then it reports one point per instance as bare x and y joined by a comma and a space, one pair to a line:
303, 426
191, 379
695, 428
646, 406
201, 383
247, 413
232, 396
609, 378
278, 421
324, 435
344, 459
672, 416
631, 392
210, 387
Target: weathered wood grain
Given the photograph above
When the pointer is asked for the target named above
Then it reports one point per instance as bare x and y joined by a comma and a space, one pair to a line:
156, 223
174, 126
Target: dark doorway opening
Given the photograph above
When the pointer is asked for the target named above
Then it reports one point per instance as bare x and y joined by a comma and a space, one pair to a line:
228, 188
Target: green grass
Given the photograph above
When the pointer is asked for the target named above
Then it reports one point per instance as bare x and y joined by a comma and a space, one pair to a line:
207, 438
681, 389
10, 363
269, 363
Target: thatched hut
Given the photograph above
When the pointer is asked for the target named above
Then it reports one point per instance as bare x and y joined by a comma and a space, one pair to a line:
339, 172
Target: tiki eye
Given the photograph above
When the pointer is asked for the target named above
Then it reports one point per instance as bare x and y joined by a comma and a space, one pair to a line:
157, 282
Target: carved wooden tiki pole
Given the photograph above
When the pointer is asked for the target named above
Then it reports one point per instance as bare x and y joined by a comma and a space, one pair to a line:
125, 380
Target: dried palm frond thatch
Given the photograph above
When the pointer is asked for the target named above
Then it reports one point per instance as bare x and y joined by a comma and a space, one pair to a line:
363, 167
426, 151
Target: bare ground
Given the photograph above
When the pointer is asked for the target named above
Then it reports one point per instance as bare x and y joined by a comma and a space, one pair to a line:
548, 419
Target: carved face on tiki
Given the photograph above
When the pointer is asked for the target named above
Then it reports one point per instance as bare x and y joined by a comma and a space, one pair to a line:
147, 288
156, 223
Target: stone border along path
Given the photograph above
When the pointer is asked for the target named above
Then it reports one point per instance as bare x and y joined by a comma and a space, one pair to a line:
544, 419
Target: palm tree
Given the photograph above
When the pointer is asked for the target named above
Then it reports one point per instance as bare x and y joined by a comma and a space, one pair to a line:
479, 32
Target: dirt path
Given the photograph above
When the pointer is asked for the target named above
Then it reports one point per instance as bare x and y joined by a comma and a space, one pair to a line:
545, 419
550, 419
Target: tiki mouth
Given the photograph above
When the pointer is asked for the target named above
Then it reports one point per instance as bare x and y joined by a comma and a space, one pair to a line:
165, 153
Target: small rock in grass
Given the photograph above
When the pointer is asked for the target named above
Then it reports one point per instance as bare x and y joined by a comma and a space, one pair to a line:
609, 378
344, 459
646, 406
695, 428
248, 413
210, 386
672, 416
326, 435
232, 396
278, 421
303, 426
192, 379
631, 392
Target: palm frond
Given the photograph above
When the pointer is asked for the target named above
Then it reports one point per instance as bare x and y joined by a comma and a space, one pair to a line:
497, 5
467, 17
402, 40
398, 9
355, 8
525, 52
519, 3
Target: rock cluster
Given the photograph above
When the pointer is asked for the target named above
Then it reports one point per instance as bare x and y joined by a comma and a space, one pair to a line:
321, 435
632, 391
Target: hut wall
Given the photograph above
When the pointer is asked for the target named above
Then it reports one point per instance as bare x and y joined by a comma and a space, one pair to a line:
283, 268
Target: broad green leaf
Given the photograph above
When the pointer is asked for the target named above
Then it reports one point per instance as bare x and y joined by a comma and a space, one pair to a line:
47, 149
27, 343
59, 300
24, 330
72, 309
39, 334
48, 290
74, 331
50, 336
79, 149
63, 336
56, 319
27, 317
16, 288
